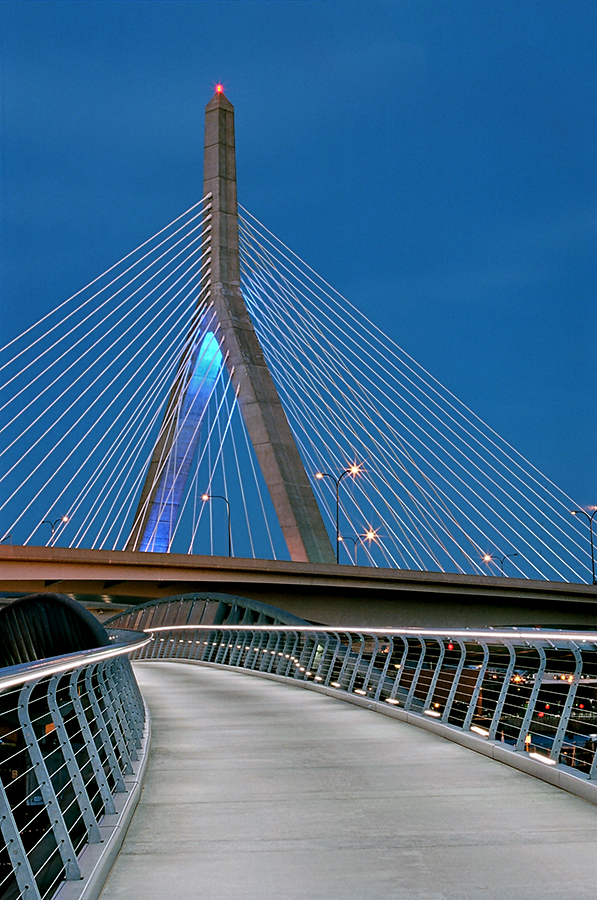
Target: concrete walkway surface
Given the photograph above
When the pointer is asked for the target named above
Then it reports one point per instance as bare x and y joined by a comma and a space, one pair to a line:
257, 789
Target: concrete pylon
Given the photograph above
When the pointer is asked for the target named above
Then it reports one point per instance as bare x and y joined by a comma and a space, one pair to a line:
281, 465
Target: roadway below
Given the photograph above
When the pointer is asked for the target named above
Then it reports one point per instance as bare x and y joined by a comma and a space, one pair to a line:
261, 789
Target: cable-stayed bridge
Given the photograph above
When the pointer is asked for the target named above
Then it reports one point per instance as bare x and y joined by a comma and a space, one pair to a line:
186, 401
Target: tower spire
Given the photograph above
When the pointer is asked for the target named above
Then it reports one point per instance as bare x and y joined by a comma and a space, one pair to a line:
267, 425
260, 406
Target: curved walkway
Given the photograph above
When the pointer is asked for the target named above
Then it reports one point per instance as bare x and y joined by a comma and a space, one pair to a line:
256, 789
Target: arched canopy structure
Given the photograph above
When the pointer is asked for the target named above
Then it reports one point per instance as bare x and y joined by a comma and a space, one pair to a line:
44, 625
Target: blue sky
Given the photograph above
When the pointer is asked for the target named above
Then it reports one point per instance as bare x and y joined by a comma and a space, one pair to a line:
433, 159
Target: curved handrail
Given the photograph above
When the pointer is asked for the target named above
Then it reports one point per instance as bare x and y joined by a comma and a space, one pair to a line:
11, 676
525, 696
71, 729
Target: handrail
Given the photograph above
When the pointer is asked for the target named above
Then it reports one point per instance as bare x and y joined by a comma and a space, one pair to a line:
527, 696
70, 730
10, 676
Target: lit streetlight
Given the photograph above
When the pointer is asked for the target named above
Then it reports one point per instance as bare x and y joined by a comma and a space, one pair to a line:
53, 525
488, 558
583, 512
205, 498
370, 535
353, 470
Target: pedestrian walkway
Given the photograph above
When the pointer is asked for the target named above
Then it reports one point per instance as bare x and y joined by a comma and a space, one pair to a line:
256, 789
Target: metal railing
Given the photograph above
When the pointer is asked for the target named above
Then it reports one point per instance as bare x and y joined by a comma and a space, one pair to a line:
532, 692
202, 608
70, 728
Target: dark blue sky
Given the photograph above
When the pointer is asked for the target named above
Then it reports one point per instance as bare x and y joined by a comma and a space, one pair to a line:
433, 159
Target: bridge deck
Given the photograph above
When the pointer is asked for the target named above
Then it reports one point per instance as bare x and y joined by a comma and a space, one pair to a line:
258, 789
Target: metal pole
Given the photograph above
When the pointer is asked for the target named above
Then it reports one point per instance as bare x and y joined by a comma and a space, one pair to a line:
354, 470
220, 497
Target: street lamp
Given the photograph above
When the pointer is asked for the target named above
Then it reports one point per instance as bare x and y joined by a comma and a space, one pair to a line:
370, 535
206, 497
582, 512
54, 524
353, 470
489, 558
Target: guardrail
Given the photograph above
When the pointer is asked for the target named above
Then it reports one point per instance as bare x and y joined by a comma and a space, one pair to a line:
532, 693
70, 728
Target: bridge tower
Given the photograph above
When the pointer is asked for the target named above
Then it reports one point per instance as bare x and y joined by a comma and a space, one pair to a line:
259, 403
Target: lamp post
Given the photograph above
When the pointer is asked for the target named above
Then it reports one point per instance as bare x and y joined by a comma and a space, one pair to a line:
205, 498
583, 512
53, 524
489, 558
353, 470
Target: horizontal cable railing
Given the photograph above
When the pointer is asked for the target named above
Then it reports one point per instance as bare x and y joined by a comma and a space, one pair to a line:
70, 728
533, 692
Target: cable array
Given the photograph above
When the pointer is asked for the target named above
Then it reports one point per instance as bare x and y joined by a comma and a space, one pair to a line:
438, 489
84, 390
97, 430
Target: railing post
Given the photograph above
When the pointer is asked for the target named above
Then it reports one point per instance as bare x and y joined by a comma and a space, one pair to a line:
121, 727
497, 714
477, 690
104, 734
357, 663
436, 674
526, 722
74, 772
384, 672
19, 860
564, 718
417, 672
454, 686
91, 746
400, 670
58, 827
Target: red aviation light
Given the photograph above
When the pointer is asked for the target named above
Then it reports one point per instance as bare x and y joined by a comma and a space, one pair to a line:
450, 646
219, 88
